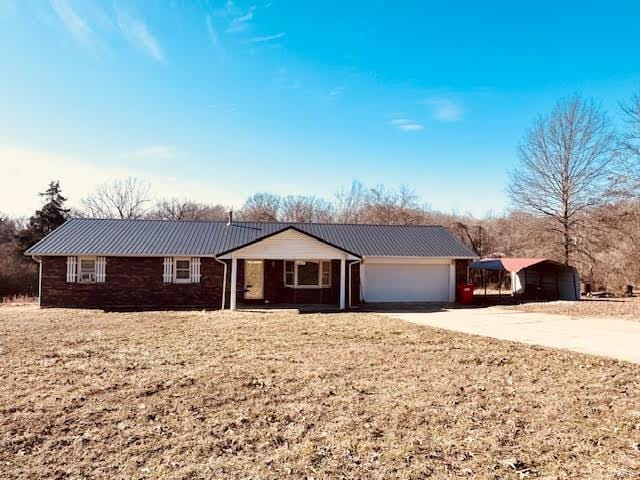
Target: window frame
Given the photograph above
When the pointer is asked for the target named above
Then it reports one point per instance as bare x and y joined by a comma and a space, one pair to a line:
175, 270
94, 259
321, 270
292, 285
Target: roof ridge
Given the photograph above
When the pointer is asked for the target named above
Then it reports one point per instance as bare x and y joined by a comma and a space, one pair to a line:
258, 222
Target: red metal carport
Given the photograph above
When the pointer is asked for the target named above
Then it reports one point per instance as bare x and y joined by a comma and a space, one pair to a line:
535, 278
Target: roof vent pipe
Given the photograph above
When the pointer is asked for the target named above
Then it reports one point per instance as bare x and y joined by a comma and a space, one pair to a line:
230, 221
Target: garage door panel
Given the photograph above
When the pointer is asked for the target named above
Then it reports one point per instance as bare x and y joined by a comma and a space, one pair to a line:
406, 283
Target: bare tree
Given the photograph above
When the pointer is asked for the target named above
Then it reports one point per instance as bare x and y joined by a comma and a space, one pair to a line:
631, 139
471, 235
565, 167
128, 198
349, 203
261, 207
388, 206
299, 208
176, 209
630, 143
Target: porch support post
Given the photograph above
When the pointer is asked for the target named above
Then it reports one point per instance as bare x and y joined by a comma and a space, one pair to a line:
343, 267
234, 277
39, 260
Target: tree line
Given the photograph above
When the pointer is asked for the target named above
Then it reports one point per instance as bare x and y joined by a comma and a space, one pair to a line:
574, 196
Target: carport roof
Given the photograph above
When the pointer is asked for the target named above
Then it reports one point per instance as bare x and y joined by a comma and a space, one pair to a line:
510, 264
114, 237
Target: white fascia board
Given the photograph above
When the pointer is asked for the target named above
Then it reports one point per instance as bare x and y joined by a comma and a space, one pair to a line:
289, 244
409, 260
285, 256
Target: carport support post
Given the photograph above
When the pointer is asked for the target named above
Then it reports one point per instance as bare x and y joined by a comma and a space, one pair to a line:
234, 277
342, 283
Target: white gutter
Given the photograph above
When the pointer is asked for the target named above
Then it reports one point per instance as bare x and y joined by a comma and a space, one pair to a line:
224, 282
39, 260
351, 265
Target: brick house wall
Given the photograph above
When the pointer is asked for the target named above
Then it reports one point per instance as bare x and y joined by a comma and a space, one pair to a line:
131, 283
137, 283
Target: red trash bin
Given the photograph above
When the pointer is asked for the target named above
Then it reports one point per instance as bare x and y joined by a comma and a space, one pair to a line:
465, 293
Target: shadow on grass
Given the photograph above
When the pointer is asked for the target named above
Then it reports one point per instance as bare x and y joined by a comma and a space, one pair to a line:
364, 308
479, 301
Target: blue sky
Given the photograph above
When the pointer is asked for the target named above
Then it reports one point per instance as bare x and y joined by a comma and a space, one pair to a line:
215, 100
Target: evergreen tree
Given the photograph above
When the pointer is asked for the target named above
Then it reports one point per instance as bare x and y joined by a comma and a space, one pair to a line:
47, 219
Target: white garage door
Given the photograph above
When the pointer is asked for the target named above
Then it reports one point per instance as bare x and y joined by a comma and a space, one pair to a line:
394, 282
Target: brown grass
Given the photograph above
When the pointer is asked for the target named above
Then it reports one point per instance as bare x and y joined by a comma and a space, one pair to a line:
280, 395
589, 307
18, 300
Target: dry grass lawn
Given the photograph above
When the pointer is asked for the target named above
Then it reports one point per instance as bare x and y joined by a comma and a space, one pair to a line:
283, 395
628, 308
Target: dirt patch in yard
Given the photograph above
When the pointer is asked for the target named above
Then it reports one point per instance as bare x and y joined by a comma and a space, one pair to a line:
628, 308
282, 395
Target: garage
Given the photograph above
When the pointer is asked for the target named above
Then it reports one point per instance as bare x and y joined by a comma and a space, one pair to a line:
406, 282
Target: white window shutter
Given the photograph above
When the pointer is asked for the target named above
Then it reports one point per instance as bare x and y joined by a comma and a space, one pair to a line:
101, 269
167, 276
195, 270
72, 263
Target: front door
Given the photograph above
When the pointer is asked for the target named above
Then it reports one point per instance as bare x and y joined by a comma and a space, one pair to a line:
254, 279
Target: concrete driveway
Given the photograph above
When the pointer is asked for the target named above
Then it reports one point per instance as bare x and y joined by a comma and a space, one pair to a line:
609, 337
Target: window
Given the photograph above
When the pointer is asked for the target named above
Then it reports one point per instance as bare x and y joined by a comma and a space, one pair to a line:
326, 274
87, 273
183, 270
307, 273
289, 274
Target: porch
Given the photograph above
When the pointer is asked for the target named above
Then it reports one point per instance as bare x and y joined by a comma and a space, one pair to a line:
289, 282
291, 267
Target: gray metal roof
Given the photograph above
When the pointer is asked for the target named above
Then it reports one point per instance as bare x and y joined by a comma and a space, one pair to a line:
204, 238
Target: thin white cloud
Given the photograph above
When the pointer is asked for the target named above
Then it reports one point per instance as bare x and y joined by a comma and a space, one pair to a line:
266, 38
227, 11
444, 109
138, 34
411, 127
230, 8
239, 23
334, 92
76, 25
406, 125
284, 79
214, 38
79, 26
154, 152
